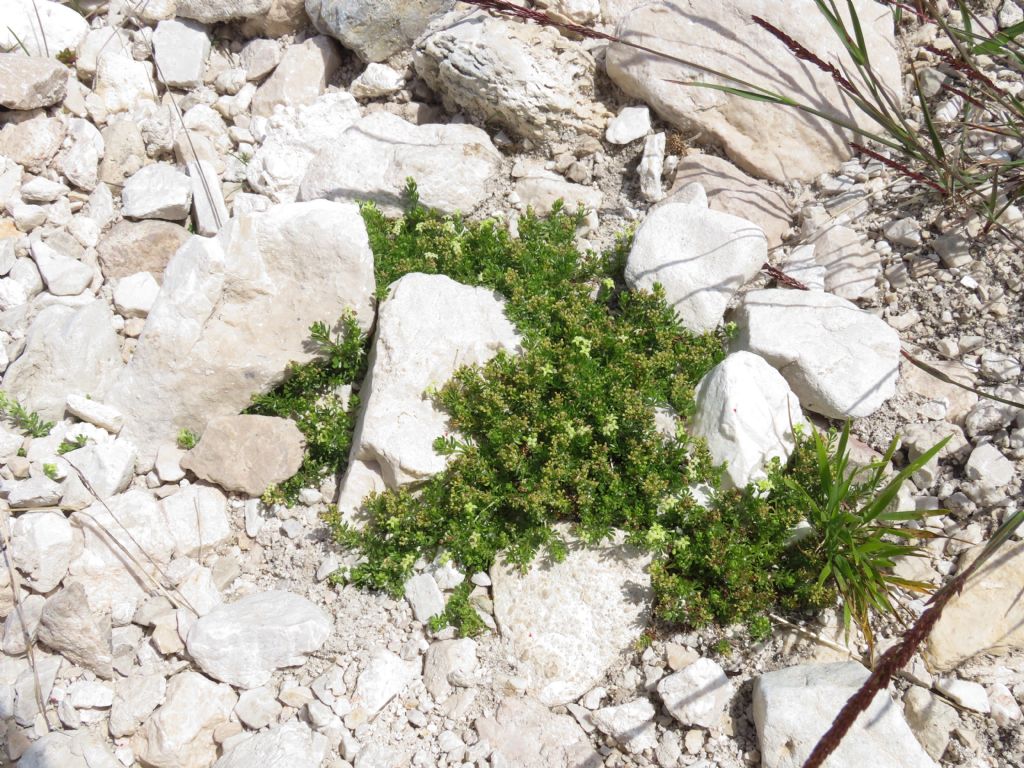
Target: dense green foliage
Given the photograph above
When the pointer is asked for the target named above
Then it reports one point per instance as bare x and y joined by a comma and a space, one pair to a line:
313, 395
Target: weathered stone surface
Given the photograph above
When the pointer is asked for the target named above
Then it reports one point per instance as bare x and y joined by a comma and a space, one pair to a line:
108, 467
428, 327
700, 256
68, 626
285, 746
375, 81
242, 643
568, 622
180, 49
134, 295
32, 143
839, 360
235, 309
300, 77
527, 734
42, 545
374, 29
730, 190
293, 139
197, 519
66, 351
157, 191
44, 29
33, 493
630, 724
135, 698
448, 663
62, 275
122, 83
124, 151
96, 413
957, 401
210, 11
28, 82
385, 676
284, 17
372, 159
766, 140
118, 544
180, 733
539, 189
423, 596
519, 76
698, 694
851, 264
68, 750
793, 707
987, 616
931, 719
746, 412
247, 453
142, 246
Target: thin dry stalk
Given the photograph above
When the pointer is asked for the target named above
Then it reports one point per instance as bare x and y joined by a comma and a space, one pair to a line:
805, 55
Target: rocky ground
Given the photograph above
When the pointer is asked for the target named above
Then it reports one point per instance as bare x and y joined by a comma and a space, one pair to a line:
178, 183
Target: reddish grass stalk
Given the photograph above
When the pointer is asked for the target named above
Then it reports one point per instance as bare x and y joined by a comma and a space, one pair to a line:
805, 55
511, 10
906, 171
965, 68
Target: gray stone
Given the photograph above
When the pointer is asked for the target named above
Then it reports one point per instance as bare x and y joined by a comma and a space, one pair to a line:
211, 11
374, 29
300, 77
424, 597
66, 351
63, 275
931, 719
954, 248
68, 750
602, 592
28, 82
108, 467
234, 310
242, 643
839, 360
851, 264
33, 493
766, 140
448, 663
21, 625
259, 57
701, 257
372, 159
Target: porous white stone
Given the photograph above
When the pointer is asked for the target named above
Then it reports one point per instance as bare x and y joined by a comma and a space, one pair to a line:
242, 643
701, 257
211, 11
385, 676
840, 361
372, 159
428, 327
630, 724
29, 82
602, 592
746, 412
698, 694
375, 81
448, 663
793, 707
42, 545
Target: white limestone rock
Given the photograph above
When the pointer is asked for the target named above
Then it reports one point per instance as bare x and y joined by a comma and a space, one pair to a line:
209, 211
33, 493
68, 750
300, 77
700, 256
424, 597
180, 49
651, 166
234, 310
386, 675
258, 707
540, 188
374, 29
630, 724
197, 519
135, 295
108, 467
840, 361
20, 626
122, 82
96, 413
259, 57
32, 683
602, 593
375, 81
114, 561
793, 707
372, 159
766, 140
42, 546
212, 11
135, 698
525, 733
698, 694
851, 264
32, 144
29, 82
68, 626
518, 76
242, 643
63, 275
293, 138
449, 663
180, 732
157, 191
428, 327
746, 412
285, 746
44, 29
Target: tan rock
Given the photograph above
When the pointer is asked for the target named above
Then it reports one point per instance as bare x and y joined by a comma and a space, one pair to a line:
247, 453
730, 190
958, 401
143, 246
988, 616
28, 82
300, 77
68, 627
